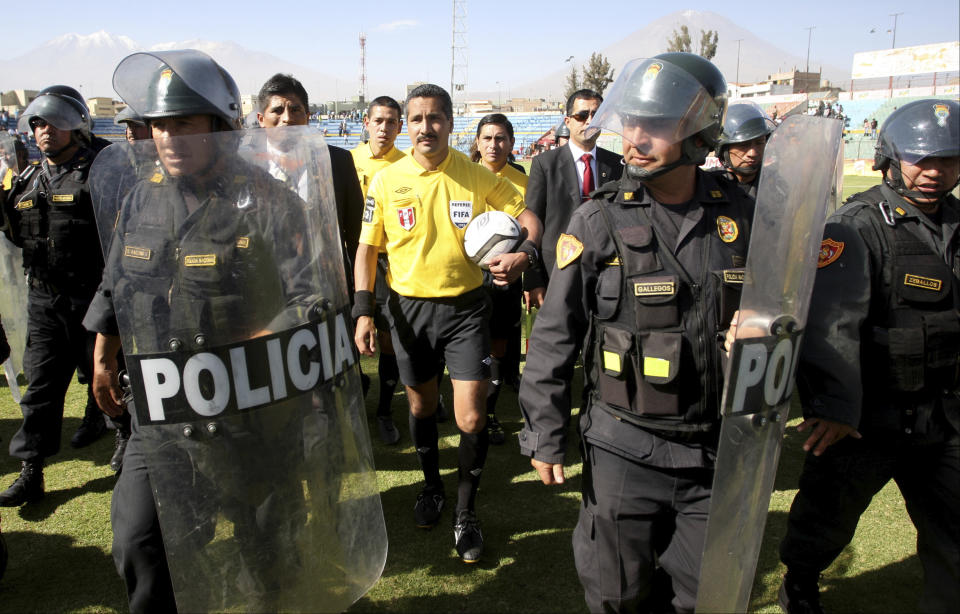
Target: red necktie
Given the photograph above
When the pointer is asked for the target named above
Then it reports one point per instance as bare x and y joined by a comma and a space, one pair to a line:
587, 175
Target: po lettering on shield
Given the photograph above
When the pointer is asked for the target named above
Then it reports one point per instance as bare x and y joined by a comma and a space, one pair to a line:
235, 378
761, 373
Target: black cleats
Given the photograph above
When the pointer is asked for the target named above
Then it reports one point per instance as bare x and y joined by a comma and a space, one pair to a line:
388, 430
467, 536
426, 512
495, 430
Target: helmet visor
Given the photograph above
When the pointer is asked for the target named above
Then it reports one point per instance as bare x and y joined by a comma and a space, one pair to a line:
142, 80
58, 111
653, 97
745, 121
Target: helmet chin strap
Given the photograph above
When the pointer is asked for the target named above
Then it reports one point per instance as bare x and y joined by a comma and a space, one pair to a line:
690, 155
50, 155
743, 169
894, 178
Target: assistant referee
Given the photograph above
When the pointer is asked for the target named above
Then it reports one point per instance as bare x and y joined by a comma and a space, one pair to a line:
417, 209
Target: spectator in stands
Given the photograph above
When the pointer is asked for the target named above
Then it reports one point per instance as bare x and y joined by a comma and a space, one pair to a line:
866, 127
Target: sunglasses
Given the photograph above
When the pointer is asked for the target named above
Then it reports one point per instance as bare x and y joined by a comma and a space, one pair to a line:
582, 116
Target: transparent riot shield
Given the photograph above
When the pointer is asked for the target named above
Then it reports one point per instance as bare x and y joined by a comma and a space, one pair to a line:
232, 308
796, 188
13, 297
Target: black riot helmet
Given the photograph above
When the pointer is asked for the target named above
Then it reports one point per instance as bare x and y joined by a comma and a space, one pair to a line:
682, 95
921, 129
59, 105
745, 121
177, 83
562, 131
128, 115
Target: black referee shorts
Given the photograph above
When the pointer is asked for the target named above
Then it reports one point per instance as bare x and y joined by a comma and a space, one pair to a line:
456, 329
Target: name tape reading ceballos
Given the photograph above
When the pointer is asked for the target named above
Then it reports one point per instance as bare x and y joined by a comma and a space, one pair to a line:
183, 386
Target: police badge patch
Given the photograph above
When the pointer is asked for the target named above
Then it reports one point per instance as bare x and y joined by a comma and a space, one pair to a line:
830, 250
407, 216
569, 249
368, 208
461, 212
941, 112
727, 229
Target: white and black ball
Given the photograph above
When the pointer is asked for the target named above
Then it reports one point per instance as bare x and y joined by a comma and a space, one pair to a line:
491, 234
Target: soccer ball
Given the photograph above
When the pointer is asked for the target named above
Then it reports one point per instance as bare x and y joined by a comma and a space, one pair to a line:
489, 235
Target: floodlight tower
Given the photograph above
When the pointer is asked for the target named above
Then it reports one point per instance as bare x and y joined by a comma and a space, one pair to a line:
458, 49
362, 90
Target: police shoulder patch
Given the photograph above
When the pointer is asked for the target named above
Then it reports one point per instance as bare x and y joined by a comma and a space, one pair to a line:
727, 229
569, 249
830, 250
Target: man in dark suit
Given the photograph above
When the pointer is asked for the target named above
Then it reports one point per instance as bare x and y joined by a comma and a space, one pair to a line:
561, 179
283, 102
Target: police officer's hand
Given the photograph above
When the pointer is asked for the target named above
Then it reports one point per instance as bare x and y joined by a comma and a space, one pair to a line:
365, 336
731, 332
507, 268
825, 434
534, 298
550, 473
106, 387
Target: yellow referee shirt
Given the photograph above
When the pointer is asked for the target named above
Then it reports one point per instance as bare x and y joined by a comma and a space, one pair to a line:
518, 179
419, 216
368, 166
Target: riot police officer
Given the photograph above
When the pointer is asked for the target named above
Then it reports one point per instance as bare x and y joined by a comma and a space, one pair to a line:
638, 286
878, 374
744, 137
562, 135
51, 219
210, 208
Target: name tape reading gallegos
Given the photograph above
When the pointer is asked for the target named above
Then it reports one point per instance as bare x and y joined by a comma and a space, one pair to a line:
228, 380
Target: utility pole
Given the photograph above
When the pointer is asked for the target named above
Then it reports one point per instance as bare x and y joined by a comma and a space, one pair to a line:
362, 90
893, 44
458, 48
738, 41
809, 36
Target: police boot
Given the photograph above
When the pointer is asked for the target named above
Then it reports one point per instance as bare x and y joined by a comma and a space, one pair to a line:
28, 488
91, 429
116, 461
800, 594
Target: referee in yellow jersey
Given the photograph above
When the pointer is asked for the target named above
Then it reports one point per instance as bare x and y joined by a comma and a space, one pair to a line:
383, 122
417, 209
493, 149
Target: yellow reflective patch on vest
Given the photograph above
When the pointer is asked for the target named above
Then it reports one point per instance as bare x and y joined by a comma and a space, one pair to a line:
900, 211
611, 362
654, 288
922, 282
615, 261
200, 260
656, 367
157, 177
628, 196
733, 276
716, 194
243, 242
24, 204
62, 198
141, 253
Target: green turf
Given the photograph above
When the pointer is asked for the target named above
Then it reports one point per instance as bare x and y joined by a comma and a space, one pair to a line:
60, 548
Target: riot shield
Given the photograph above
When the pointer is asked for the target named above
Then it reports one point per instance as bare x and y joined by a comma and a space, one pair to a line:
13, 298
796, 188
232, 308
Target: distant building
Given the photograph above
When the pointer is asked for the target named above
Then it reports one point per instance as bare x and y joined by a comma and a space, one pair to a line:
15, 101
783, 83
104, 106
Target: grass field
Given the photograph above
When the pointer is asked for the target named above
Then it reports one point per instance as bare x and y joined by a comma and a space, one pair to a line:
60, 547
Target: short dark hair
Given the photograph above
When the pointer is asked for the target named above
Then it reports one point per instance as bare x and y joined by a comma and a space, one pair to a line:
429, 90
497, 119
282, 85
584, 94
385, 101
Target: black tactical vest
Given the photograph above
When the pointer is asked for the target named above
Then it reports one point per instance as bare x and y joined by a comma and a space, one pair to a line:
56, 226
654, 348
915, 340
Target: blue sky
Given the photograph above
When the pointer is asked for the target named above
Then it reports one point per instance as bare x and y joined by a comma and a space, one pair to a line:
509, 40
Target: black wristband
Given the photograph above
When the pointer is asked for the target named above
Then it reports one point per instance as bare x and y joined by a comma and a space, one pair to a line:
529, 248
364, 304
